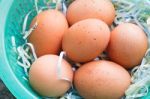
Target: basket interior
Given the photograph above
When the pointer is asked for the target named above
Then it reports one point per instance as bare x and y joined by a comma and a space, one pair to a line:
13, 27
14, 22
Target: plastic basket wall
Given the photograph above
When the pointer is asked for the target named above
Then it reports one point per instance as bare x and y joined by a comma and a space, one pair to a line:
12, 13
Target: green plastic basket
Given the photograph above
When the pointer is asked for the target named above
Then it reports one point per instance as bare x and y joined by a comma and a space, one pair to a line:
12, 13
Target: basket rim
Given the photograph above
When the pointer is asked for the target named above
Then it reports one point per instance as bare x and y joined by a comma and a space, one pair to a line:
6, 73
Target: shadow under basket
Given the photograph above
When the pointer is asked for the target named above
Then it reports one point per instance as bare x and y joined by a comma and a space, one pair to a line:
12, 13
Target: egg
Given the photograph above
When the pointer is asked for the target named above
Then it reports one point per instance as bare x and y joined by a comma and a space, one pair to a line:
47, 37
83, 9
128, 44
44, 76
85, 40
101, 80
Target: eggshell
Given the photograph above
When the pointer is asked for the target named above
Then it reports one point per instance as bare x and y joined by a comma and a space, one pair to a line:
101, 80
83, 9
47, 37
128, 44
85, 40
43, 76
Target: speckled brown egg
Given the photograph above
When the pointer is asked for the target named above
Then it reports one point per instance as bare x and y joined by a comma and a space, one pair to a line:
47, 37
101, 80
128, 44
83, 9
85, 40
47, 79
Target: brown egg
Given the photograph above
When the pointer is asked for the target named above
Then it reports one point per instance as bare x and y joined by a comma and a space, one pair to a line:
83, 9
128, 44
47, 37
85, 40
101, 80
43, 76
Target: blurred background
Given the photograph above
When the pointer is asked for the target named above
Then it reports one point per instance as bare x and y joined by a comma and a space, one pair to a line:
4, 92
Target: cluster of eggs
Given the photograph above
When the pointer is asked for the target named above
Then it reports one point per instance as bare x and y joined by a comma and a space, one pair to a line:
84, 34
